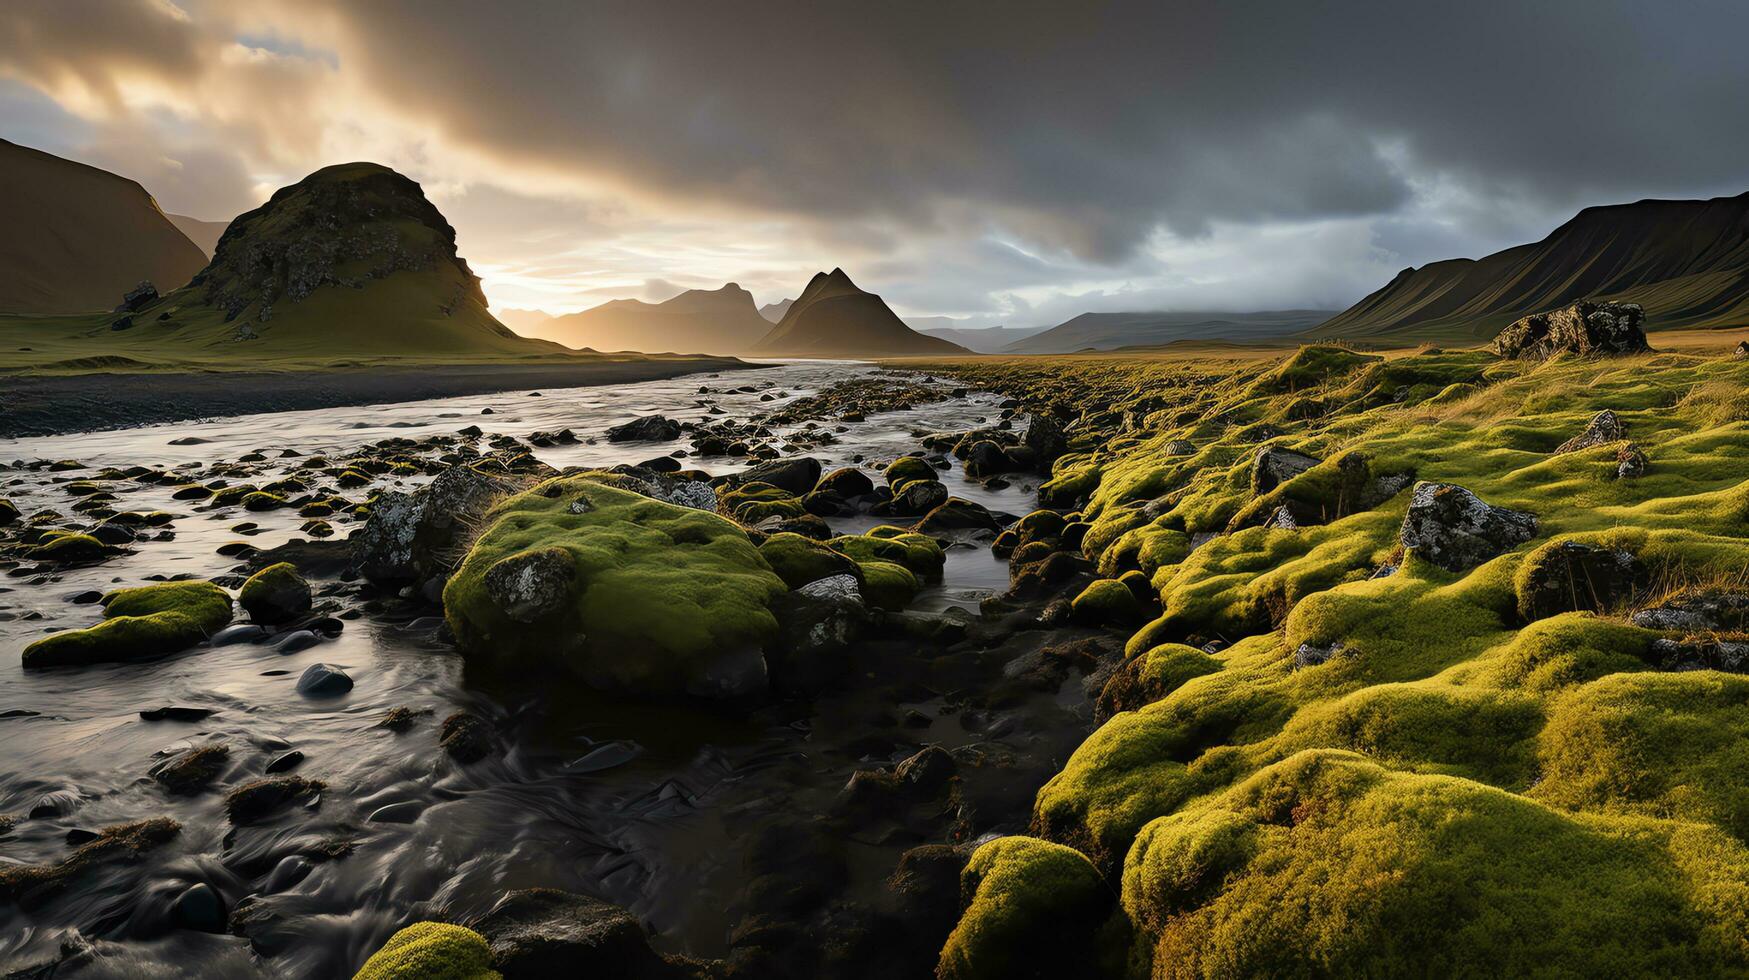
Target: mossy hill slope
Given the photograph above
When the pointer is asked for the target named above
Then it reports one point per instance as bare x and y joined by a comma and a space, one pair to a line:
77, 238
833, 318
350, 262
1686, 262
1330, 756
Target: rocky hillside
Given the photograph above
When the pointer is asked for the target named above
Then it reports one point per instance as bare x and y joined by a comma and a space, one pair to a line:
833, 318
77, 238
698, 321
1685, 262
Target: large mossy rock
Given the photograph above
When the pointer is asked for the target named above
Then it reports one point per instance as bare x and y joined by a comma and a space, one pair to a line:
415, 536
150, 621
799, 560
622, 590
431, 951
1033, 907
276, 594
1585, 327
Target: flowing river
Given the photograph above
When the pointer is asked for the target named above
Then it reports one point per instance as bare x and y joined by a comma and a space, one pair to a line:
638, 805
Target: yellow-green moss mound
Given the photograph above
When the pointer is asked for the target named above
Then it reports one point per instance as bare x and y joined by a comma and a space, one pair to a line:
623, 590
1032, 908
150, 621
431, 951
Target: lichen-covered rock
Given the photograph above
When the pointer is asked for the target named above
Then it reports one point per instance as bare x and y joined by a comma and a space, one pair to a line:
1630, 462
818, 622
1106, 602
431, 951
465, 737
624, 591
1032, 908
1045, 440
848, 482
149, 621
695, 494
914, 498
1604, 428
274, 595
416, 536
1585, 327
1454, 529
649, 428
1568, 576
956, 514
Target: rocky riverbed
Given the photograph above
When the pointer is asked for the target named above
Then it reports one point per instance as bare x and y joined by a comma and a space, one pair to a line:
328, 769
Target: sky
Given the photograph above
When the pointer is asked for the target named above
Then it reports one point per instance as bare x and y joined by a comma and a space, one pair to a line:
1000, 162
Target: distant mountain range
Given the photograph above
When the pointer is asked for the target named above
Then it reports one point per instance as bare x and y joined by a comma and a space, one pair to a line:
1686, 262
698, 321
980, 340
775, 311
833, 318
1113, 331
76, 238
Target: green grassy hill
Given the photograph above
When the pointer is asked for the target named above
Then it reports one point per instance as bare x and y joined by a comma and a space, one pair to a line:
351, 264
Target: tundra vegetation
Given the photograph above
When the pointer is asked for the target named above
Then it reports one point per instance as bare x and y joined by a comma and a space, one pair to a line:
1442, 677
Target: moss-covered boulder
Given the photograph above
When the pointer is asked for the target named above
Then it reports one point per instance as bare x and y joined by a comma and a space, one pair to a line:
1352, 869
799, 560
920, 553
906, 469
621, 590
8, 512
150, 621
72, 549
1033, 909
751, 503
1107, 602
431, 951
276, 594
888, 585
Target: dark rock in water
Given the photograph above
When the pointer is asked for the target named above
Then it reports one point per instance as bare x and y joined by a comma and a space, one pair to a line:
401, 719
817, 623
1273, 466
57, 803
661, 464
922, 778
1571, 576
544, 932
324, 681
79, 837
797, 475
1046, 441
30, 885
404, 812
238, 633
286, 762
297, 641
1698, 612
276, 594
848, 482
287, 873
956, 514
194, 770
138, 298
1585, 327
915, 499
1452, 528
986, 458
1604, 428
466, 738
176, 713
412, 537
261, 799
925, 890
649, 428
200, 908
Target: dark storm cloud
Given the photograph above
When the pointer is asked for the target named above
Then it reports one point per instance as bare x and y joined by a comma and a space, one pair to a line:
970, 155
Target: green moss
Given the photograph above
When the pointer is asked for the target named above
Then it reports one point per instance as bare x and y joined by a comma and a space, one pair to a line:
887, 585
751, 503
229, 496
905, 469
150, 621
651, 594
1329, 864
275, 594
71, 549
1034, 907
799, 560
920, 553
1106, 602
262, 500
431, 951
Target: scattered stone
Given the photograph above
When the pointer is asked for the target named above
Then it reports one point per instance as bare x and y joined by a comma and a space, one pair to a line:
1603, 429
466, 737
138, 298
324, 681
189, 772
544, 932
261, 799
1630, 462
176, 713
32, 884
199, 908
276, 594
1698, 612
1273, 466
1311, 654
649, 428
285, 763
403, 812
1569, 576
797, 475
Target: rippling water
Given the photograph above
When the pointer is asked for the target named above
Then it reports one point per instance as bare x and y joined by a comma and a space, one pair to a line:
631, 803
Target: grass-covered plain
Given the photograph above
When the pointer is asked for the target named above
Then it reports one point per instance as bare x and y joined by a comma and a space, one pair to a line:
1458, 778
